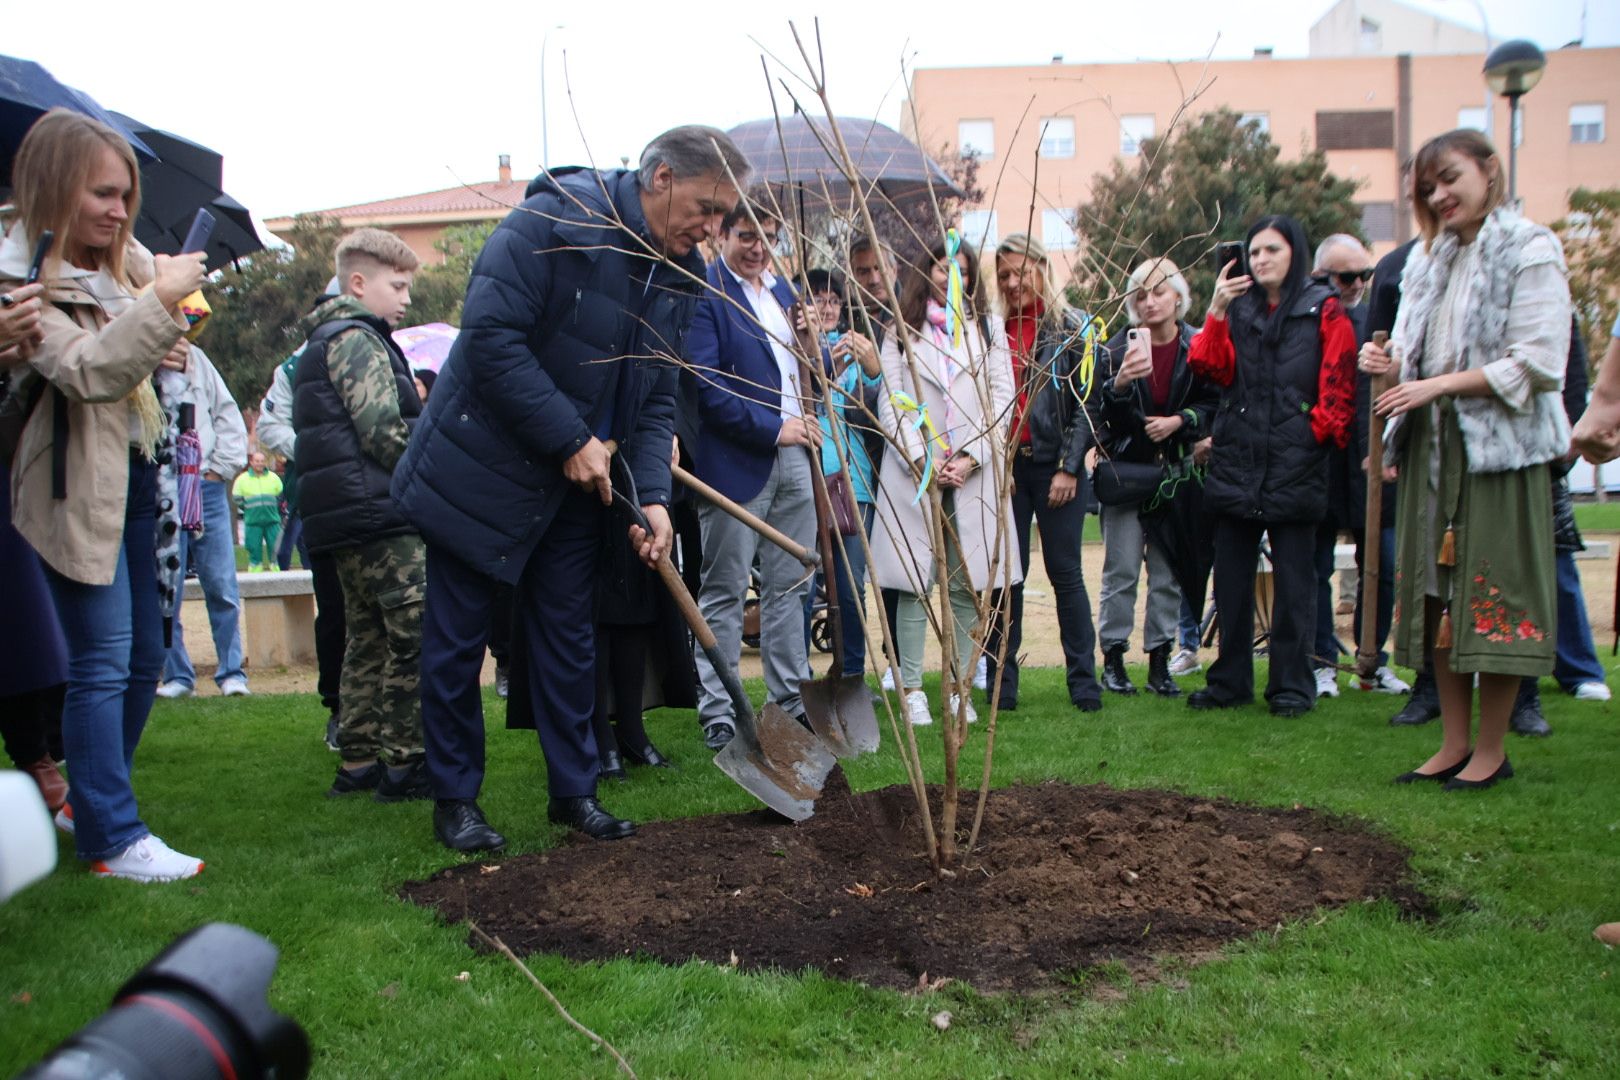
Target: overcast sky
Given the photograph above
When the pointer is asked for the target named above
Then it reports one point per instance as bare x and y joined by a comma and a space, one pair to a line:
316, 105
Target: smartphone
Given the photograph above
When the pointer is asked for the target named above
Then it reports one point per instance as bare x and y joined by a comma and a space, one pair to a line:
46, 240
202, 227
1229, 251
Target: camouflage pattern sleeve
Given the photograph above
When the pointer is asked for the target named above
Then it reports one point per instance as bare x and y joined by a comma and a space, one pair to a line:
364, 378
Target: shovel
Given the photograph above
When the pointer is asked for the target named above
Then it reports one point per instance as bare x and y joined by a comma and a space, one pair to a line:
810, 559
772, 758
1367, 648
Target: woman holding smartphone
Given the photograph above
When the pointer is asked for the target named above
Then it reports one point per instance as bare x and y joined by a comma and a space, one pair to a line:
1153, 409
947, 426
1283, 352
1481, 344
84, 480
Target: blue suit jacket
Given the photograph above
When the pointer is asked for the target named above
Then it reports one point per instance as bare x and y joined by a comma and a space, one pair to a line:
739, 387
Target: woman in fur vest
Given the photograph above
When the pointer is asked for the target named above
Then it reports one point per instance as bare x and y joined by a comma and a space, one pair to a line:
1480, 347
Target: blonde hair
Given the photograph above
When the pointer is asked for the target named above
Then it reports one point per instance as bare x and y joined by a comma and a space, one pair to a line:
376, 247
1151, 274
48, 179
1033, 250
1470, 144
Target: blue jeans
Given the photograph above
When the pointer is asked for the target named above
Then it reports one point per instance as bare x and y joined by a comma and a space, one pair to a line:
215, 557
850, 558
292, 539
1187, 629
115, 653
1576, 660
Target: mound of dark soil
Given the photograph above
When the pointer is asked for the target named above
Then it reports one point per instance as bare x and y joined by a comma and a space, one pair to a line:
1064, 878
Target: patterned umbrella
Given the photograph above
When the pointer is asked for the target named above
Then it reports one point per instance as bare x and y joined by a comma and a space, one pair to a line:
188, 466
426, 346
801, 156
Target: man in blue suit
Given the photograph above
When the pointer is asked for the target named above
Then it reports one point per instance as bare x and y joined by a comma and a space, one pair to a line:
755, 446
571, 336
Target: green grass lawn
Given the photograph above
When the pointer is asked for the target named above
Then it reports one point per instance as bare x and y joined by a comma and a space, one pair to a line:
1598, 517
1507, 981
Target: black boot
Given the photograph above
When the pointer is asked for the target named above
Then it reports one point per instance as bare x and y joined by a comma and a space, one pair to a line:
586, 815
1423, 705
1114, 677
1159, 680
1527, 718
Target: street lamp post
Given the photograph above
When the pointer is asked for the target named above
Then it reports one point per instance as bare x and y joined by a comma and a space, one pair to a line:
1512, 70
545, 141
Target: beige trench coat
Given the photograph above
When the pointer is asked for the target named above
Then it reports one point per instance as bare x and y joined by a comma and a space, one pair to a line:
95, 361
902, 556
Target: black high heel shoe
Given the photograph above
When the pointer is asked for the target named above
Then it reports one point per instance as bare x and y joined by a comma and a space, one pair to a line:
1503, 771
1442, 776
646, 755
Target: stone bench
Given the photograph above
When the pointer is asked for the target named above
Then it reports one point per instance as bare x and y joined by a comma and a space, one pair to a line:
278, 616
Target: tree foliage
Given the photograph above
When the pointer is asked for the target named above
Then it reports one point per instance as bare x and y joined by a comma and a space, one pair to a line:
1591, 236
438, 292
255, 325
1199, 184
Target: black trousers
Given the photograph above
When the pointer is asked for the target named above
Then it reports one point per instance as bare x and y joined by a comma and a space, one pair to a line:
31, 725
553, 603
331, 632
1293, 610
1061, 531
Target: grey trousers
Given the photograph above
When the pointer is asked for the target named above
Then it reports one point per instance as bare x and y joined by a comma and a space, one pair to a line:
1124, 548
729, 547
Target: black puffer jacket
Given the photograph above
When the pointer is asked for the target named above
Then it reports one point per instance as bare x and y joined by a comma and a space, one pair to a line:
1057, 391
344, 498
1266, 463
1123, 414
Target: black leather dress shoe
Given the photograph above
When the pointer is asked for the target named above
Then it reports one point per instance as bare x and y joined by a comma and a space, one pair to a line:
1206, 699
612, 766
587, 815
1423, 706
647, 755
1503, 771
1089, 704
460, 826
1288, 707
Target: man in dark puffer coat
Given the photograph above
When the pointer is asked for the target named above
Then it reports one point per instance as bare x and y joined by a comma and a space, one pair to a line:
576, 307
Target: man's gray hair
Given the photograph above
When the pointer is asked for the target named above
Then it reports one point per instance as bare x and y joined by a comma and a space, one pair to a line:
695, 150
1337, 240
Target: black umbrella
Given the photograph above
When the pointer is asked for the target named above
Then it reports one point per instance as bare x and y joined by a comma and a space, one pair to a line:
28, 91
803, 155
185, 177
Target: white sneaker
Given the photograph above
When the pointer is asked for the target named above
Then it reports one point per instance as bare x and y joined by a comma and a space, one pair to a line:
64, 818
917, 709
1592, 691
888, 679
1384, 681
956, 701
148, 860
1327, 682
981, 674
235, 686
174, 690
1185, 662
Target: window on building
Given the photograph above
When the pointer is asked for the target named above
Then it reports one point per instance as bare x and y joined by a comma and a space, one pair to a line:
980, 228
1360, 129
1471, 117
976, 137
1372, 40
1260, 121
1057, 136
1586, 123
1132, 130
1057, 230
1377, 221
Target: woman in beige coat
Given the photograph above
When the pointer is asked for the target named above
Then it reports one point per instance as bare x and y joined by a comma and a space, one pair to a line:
964, 390
84, 482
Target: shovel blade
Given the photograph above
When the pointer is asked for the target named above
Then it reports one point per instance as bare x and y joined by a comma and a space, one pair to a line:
840, 710
785, 769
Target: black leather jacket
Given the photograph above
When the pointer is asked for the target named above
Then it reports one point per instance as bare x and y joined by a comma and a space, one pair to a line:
1123, 413
1059, 392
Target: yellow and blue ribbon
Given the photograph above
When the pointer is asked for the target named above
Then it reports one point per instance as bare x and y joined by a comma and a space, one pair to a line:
953, 289
908, 404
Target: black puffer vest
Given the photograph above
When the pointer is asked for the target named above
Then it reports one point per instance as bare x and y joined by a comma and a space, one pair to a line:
1267, 466
343, 494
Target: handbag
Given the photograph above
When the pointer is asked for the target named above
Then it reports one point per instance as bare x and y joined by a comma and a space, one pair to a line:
1126, 483
841, 497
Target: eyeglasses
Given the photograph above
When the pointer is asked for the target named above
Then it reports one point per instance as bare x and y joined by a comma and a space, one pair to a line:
1348, 278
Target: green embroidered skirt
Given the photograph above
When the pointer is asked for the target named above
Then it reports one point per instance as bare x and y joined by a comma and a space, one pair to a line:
1502, 591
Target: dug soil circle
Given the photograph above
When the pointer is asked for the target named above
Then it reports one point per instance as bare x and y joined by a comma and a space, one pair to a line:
1065, 878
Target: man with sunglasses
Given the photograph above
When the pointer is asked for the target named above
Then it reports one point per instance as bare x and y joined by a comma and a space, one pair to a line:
1344, 263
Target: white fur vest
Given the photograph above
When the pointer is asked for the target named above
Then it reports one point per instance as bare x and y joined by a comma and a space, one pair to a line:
1498, 436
